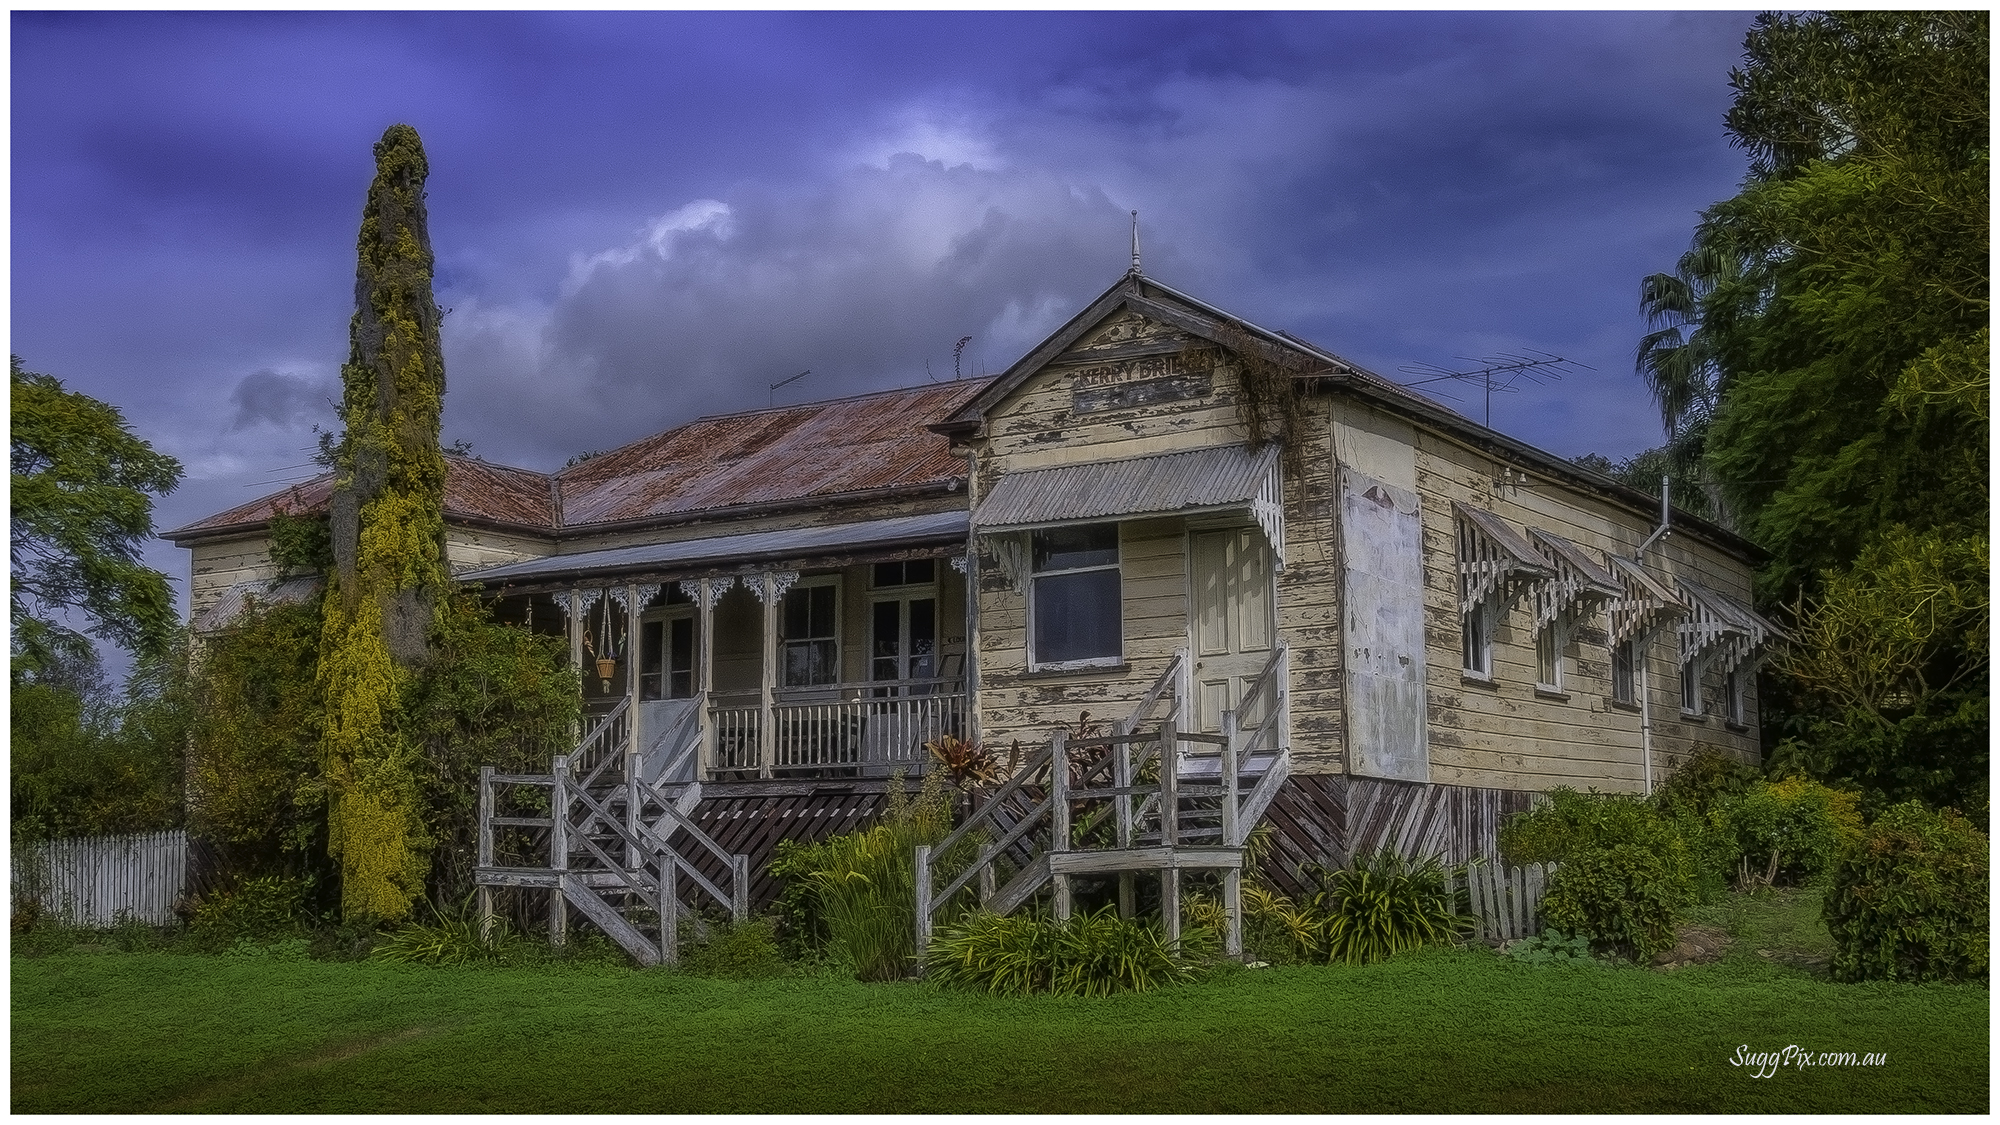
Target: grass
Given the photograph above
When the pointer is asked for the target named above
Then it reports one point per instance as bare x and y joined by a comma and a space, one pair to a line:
1436, 1030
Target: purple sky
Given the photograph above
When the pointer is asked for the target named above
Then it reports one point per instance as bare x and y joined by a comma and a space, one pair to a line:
643, 218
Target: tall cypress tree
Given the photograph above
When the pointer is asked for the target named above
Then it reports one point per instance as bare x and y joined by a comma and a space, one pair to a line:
389, 574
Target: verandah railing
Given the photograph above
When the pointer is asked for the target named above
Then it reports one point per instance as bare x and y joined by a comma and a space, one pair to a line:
871, 727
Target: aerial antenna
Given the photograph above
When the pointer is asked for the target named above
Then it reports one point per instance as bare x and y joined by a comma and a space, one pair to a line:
1135, 242
1504, 373
773, 398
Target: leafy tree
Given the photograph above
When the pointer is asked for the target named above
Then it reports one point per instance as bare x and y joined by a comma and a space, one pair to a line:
1822, 350
388, 543
1822, 342
82, 505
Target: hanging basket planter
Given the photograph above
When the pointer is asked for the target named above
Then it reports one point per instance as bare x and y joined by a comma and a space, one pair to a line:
606, 668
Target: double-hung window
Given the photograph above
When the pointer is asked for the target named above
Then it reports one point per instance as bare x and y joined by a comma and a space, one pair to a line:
1478, 640
1548, 656
1624, 671
812, 634
1075, 598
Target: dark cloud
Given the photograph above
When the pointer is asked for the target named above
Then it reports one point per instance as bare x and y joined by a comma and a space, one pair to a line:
644, 217
285, 401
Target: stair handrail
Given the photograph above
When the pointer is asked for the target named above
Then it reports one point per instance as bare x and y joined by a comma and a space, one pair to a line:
601, 733
644, 840
1169, 678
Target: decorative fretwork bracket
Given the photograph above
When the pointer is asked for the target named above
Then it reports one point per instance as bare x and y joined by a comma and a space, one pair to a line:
1721, 632
1577, 587
1494, 562
1642, 603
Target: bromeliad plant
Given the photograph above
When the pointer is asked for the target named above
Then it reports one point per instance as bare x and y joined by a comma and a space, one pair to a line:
1381, 904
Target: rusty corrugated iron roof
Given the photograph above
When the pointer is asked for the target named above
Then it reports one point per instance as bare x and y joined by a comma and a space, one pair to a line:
796, 453
474, 491
816, 450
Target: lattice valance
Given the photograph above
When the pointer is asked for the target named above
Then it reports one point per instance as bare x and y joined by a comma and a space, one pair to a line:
1577, 584
1493, 559
1720, 631
1642, 603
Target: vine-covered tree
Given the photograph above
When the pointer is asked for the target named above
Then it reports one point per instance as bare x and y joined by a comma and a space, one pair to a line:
387, 519
1821, 353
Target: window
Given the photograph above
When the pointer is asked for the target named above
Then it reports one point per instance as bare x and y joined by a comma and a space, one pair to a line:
666, 658
1691, 688
1548, 656
811, 635
1075, 598
1624, 668
912, 572
1732, 689
1478, 637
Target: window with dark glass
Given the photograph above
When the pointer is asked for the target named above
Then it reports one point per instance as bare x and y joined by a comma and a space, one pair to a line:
811, 635
666, 659
1076, 597
1548, 657
910, 572
1624, 664
1476, 631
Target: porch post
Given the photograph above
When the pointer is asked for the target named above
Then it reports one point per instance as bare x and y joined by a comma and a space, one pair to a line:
703, 671
767, 731
575, 629
632, 651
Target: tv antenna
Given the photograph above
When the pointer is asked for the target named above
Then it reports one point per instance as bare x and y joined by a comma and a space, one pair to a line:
1504, 372
772, 399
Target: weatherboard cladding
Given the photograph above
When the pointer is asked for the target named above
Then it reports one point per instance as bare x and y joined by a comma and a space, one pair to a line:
1222, 476
941, 529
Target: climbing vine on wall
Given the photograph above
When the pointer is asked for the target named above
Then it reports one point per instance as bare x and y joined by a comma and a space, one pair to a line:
387, 527
1270, 401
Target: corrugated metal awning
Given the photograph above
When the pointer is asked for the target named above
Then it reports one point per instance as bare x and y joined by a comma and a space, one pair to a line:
795, 545
1222, 477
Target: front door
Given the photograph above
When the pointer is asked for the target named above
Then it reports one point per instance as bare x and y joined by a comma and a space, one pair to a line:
1229, 621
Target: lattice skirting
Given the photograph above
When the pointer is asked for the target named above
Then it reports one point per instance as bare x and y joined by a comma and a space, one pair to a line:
751, 823
1326, 819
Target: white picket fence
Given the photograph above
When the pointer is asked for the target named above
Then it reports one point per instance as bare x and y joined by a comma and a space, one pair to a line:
95, 880
1506, 901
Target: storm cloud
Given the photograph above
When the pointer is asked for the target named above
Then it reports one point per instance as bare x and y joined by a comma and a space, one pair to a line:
641, 218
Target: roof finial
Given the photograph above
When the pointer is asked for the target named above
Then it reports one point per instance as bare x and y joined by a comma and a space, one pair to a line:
1135, 242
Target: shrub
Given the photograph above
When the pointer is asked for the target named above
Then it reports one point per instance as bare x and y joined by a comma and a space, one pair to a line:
741, 951
1706, 779
860, 888
450, 938
1909, 899
260, 909
1626, 871
1092, 954
1627, 896
1793, 827
1380, 905
1275, 928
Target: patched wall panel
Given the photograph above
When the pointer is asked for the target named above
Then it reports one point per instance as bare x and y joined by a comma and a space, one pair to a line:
1383, 613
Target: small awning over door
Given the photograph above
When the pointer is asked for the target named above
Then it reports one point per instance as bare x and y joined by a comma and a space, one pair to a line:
1221, 478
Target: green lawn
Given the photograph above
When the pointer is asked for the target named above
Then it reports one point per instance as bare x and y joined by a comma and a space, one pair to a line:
1439, 1031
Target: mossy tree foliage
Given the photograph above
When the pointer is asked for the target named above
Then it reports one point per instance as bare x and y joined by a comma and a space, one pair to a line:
388, 544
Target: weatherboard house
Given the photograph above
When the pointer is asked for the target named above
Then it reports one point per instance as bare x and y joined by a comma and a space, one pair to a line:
1225, 577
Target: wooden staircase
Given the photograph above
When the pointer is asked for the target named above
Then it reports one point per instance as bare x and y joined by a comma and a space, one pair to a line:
611, 838
1151, 796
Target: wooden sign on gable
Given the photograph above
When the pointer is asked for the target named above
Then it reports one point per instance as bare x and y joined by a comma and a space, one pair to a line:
1143, 380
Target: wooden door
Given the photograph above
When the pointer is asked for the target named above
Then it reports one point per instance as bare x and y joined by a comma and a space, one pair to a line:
1230, 621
